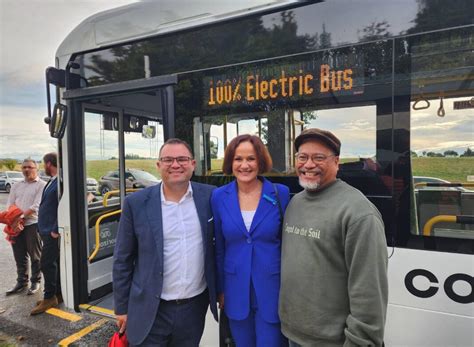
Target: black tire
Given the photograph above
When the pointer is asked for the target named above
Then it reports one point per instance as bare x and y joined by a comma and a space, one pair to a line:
8, 187
104, 190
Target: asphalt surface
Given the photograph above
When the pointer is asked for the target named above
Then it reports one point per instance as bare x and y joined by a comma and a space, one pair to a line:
18, 328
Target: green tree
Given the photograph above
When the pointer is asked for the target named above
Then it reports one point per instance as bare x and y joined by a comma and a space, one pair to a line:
375, 31
468, 153
133, 156
450, 153
308, 116
9, 163
325, 38
433, 14
434, 154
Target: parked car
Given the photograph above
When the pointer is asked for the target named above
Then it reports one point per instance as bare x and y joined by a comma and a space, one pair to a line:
43, 175
134, 178
10, 177
92, 185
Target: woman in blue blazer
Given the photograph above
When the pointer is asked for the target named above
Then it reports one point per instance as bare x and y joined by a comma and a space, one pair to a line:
247, 218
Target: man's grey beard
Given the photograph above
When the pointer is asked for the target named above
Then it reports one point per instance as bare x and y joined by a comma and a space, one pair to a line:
307, 185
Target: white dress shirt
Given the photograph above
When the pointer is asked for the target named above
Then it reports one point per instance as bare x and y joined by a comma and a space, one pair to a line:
183, 250
27, 195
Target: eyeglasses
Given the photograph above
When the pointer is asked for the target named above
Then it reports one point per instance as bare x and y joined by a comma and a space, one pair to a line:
28, 167
315, 158
180, 160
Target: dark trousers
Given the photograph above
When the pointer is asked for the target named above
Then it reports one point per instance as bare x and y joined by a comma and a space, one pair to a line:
179, 324
27, 244
50, 265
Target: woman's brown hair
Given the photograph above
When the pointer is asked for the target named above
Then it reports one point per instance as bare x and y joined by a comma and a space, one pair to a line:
263, 156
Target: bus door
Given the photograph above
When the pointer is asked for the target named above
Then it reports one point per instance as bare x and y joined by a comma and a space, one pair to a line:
120, 151
116, 145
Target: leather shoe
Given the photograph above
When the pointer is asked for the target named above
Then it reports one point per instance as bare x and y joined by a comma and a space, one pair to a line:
58, 296
18, 288
33, 289
45, 305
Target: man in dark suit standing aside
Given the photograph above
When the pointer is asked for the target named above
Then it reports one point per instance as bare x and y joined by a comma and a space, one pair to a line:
48, 230
164, 268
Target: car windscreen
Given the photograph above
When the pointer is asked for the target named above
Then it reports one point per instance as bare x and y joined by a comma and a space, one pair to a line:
143, 175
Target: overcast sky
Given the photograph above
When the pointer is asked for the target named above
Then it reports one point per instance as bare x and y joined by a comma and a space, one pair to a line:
30, 33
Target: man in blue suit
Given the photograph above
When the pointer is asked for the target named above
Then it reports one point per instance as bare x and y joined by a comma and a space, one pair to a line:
48, 230
164, 268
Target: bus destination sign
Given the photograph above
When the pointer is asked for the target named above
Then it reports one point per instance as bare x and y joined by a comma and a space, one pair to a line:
291, 82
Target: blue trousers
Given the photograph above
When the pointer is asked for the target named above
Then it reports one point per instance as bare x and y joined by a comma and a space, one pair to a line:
179, 324
254, 331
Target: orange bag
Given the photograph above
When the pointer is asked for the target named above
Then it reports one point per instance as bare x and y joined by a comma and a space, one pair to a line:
13, 225
118, 340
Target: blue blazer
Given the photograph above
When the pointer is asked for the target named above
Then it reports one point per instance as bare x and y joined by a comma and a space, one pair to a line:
138, 257
243, 255
48, 209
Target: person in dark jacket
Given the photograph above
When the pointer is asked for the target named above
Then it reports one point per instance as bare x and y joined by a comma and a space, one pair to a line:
48, 230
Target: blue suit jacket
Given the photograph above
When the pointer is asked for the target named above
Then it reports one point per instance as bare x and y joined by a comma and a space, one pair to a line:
243, 255
48, 209
138, 257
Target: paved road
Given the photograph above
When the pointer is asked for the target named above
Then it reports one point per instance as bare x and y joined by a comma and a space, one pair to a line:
17, 327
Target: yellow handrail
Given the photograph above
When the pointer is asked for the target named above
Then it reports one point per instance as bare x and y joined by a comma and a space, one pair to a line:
97, 232
116, 192
437, 219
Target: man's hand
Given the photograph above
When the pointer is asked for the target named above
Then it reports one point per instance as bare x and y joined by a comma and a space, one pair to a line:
121, 322
54, 235
18, 225
28, 213
220, 300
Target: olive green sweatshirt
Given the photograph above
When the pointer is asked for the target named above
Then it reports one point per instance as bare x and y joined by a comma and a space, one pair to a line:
334, 288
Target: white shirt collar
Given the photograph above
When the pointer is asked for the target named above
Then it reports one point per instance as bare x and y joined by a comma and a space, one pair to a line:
35, 180
187, 195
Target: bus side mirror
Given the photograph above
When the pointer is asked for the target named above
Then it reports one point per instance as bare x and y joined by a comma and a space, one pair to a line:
57, 122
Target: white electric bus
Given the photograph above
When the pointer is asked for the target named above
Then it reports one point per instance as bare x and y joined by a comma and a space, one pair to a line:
394, 80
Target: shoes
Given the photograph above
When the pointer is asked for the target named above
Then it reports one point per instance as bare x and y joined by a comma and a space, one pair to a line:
18, 288
45, 305
58, 296
34, 288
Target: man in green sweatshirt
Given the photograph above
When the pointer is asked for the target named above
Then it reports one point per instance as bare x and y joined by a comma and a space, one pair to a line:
334, 288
